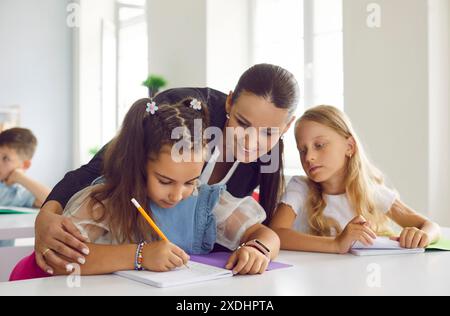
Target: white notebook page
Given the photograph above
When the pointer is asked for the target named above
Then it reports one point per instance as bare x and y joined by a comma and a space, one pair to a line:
197, 272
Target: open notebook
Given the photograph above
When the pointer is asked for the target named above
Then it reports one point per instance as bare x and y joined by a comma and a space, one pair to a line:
12, 210
202, 268
382, 246
197, 272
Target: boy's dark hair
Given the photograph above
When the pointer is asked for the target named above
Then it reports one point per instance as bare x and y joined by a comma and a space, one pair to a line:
22, 140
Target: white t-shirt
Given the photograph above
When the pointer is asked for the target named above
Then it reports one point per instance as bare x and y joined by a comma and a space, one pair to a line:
338, 206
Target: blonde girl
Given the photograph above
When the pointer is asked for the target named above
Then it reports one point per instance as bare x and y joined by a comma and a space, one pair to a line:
343, 198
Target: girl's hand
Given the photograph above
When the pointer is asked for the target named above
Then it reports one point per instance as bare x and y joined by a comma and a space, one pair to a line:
412, 237
247, 260
163, 256
357, 230
58, 238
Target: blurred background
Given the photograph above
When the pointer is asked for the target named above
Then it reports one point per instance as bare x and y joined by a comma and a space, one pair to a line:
69, 70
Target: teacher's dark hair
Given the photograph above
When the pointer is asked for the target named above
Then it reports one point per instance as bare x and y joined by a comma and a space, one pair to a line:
278, 86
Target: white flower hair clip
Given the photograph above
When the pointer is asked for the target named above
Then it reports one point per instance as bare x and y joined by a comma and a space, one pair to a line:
152, 108
196, 105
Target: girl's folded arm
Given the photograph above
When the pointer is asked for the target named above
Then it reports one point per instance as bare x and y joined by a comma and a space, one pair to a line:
102, 259
105, 259
292, 240
407, 217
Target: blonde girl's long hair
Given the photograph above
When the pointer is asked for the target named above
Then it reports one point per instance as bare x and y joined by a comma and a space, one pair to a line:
360, 181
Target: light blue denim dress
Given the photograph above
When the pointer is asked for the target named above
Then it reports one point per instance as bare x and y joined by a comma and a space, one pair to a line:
191, 224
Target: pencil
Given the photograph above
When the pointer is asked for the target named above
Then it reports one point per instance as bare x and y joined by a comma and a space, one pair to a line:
151, 222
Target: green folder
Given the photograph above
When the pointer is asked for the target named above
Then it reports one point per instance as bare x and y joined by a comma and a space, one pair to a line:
5, 211
443, 245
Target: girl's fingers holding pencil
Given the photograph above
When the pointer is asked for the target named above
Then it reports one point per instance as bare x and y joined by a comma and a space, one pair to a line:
168, 267
176, 261
182, 254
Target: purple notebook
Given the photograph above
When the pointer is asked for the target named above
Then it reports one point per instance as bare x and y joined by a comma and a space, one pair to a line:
220, 259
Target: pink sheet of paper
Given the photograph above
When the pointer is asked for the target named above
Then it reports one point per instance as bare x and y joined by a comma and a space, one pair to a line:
220, 259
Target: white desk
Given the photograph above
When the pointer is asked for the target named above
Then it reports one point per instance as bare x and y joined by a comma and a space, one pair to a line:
312, 274
17, 226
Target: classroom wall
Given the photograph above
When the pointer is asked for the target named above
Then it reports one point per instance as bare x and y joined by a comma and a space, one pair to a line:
439, 72
389, 97
386, 84
228, 42
208, 42
36, 73
177, 41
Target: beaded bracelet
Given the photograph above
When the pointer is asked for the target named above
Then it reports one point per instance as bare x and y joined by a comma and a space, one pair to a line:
139, 257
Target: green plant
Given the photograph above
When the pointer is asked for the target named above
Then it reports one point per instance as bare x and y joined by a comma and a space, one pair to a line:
94, 150
154, 83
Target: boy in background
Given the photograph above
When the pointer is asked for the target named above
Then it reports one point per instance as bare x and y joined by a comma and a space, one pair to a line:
17, 147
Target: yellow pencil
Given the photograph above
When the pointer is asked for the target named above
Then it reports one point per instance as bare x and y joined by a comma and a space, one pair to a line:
151, 222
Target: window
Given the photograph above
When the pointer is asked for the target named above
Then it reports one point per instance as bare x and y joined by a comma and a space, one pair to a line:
111, 58
305, 37
132, 54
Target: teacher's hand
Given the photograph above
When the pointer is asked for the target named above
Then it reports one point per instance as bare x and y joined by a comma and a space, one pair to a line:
57, 240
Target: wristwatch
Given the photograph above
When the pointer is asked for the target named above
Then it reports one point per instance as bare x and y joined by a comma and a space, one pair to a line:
255, 243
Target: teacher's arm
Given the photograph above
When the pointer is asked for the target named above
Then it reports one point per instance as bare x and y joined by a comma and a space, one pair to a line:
57, 233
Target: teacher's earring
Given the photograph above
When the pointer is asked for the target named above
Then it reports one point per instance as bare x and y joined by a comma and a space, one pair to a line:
228, 116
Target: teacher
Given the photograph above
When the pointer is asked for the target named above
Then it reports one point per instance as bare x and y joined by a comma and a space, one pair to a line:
264, 99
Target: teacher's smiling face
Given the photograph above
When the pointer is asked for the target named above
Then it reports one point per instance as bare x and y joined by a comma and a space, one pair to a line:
256, 124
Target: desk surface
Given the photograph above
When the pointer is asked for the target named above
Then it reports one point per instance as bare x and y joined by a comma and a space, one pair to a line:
17, 226
312, 274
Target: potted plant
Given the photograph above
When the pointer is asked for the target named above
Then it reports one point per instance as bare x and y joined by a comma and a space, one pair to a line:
154, 83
